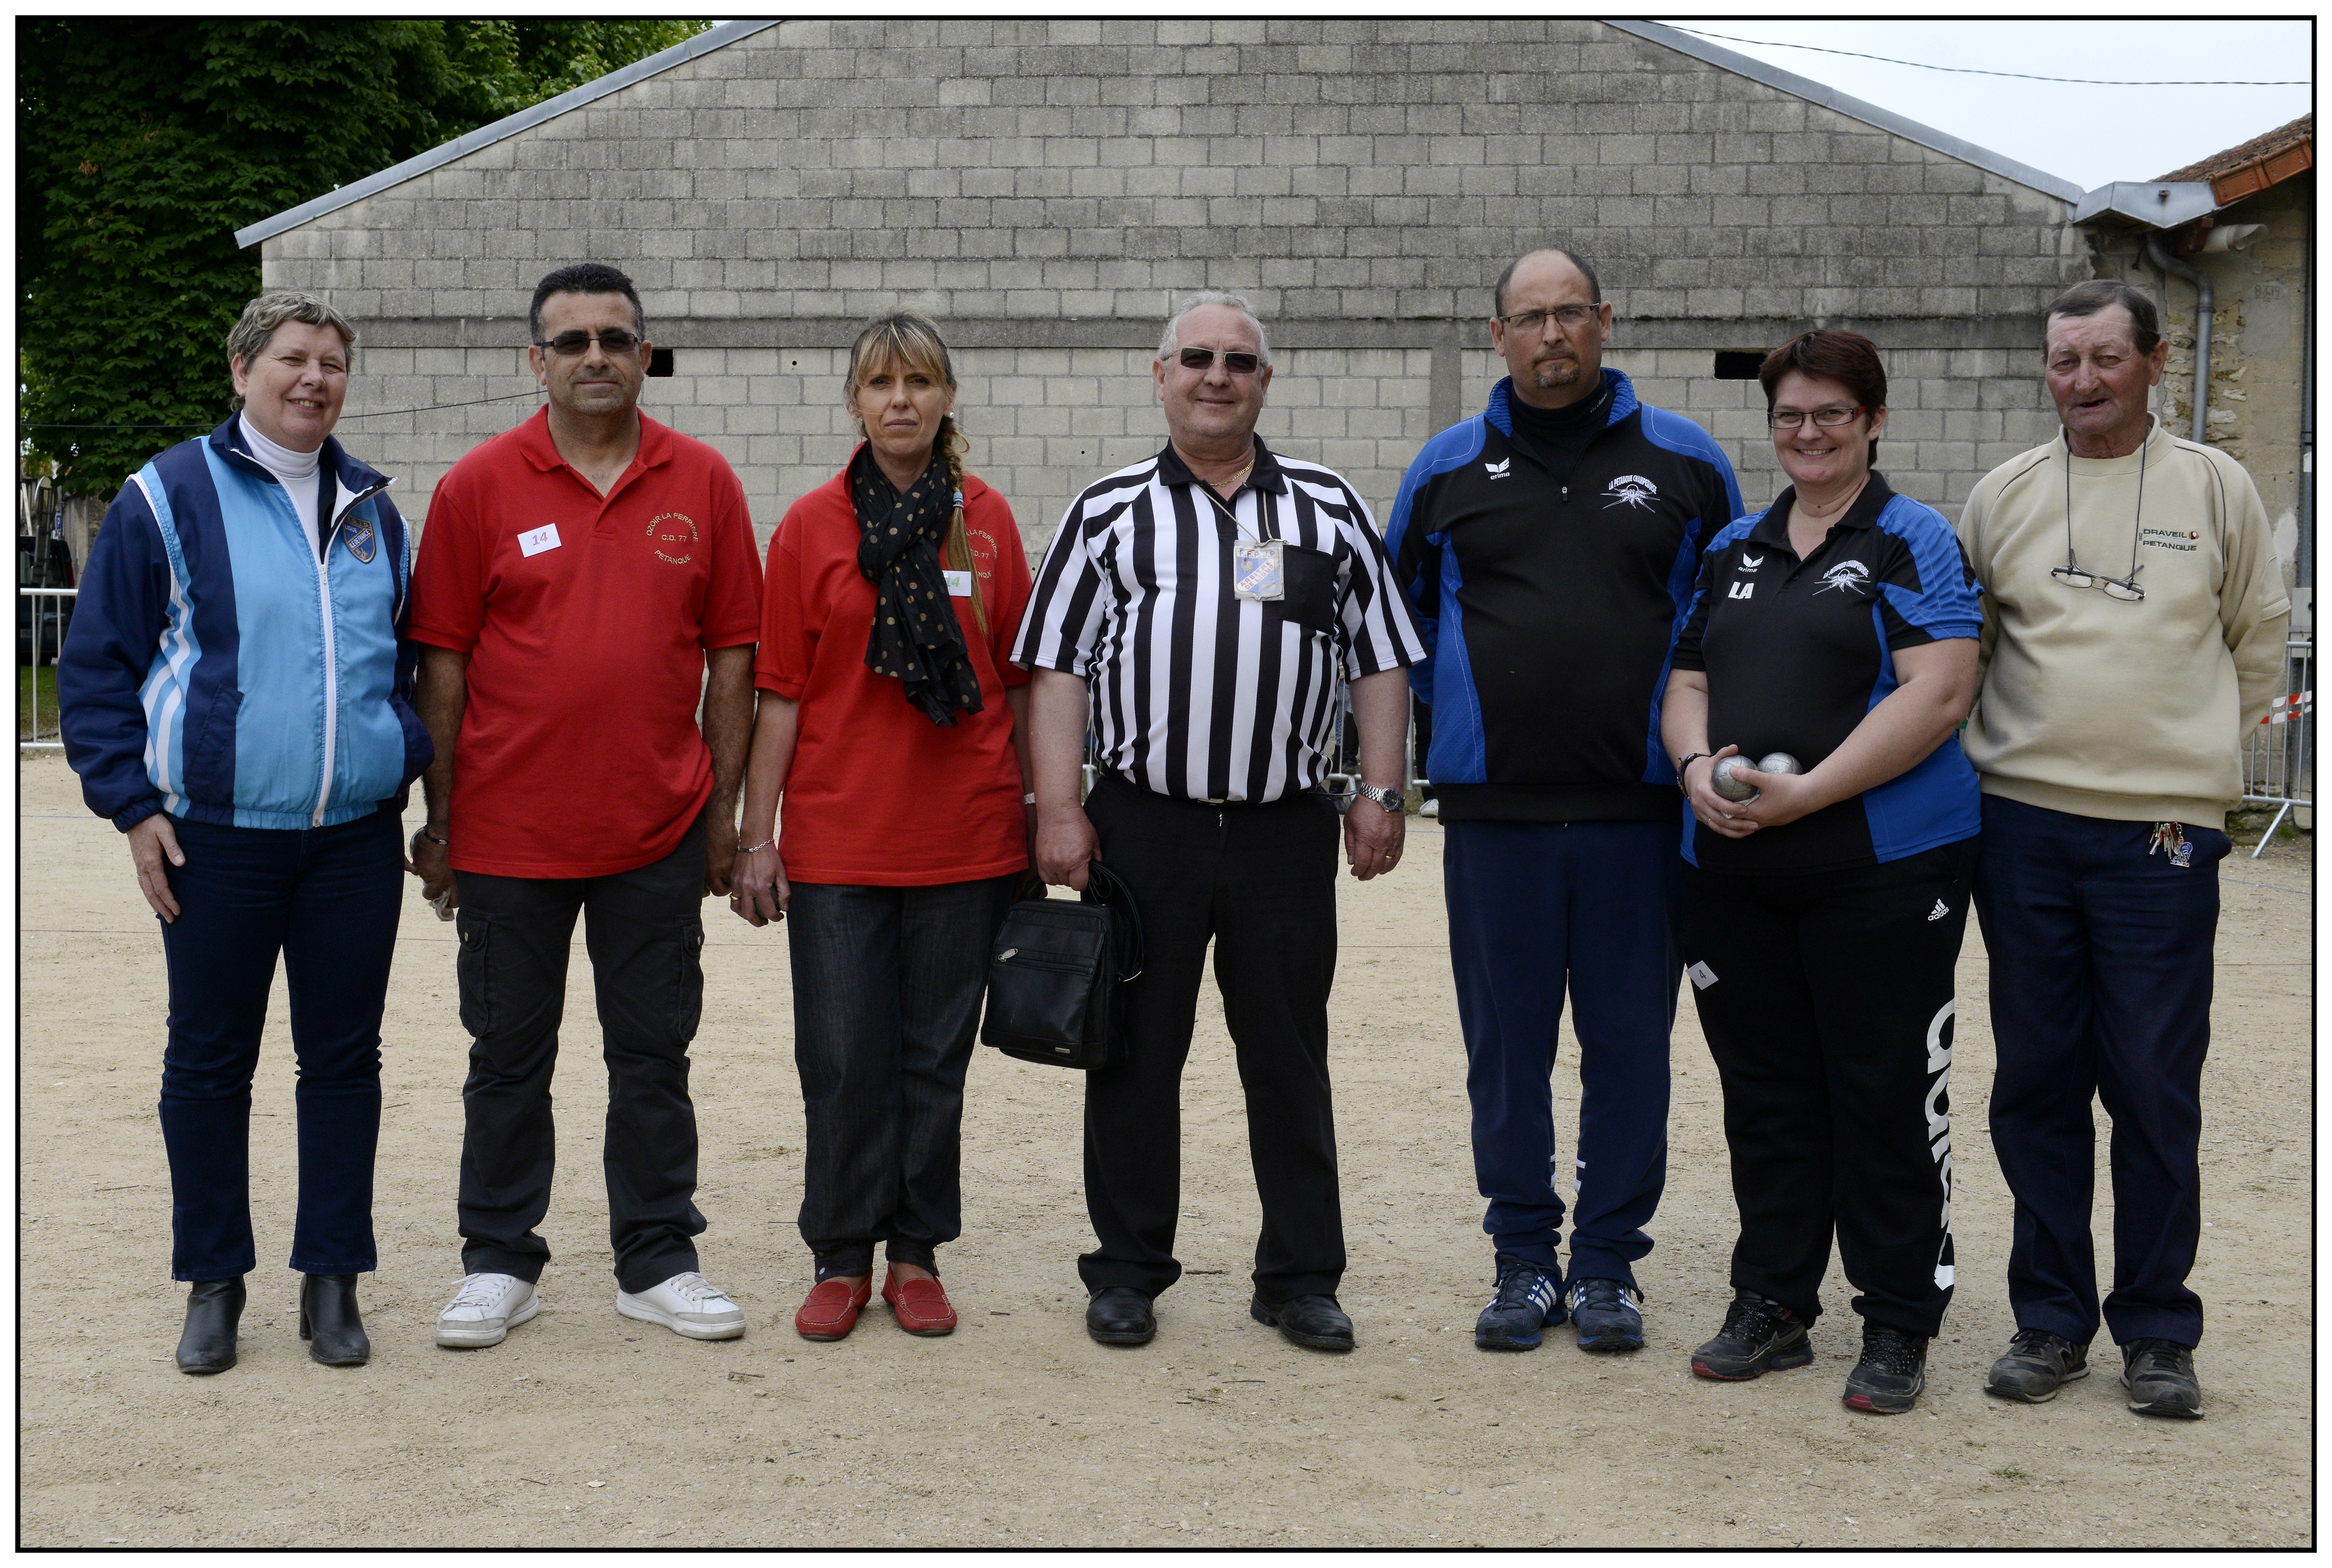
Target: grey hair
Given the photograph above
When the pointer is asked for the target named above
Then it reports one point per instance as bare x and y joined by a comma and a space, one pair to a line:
255, 328
1168, 341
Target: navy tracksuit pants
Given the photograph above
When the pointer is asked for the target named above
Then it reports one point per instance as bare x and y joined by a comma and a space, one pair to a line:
1536, 909
2101, 955
326, 900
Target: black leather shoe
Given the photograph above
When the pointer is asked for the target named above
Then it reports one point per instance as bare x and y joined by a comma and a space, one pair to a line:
214, 1307
1121, 1314
1313, 1322
328, 1320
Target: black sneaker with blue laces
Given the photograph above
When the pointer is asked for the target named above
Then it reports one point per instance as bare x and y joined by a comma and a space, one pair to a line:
1609, 1314
1527, 1299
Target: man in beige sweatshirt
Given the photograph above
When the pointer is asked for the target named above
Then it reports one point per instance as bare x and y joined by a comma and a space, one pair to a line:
2135, 617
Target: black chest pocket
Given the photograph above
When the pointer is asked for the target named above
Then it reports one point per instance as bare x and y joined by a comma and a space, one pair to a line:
1309, 578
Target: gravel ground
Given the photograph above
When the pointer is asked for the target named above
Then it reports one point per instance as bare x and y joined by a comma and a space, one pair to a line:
587, 1429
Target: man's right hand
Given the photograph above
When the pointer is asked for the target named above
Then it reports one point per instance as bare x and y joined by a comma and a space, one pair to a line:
151, 842
429, 861
1065, 843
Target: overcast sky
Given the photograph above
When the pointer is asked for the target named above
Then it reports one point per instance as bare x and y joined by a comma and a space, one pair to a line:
2089, 135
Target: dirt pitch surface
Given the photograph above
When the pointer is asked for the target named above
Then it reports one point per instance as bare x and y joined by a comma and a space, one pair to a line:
585, 1428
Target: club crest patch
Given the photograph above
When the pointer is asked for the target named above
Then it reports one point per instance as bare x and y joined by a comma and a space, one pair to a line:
674, 537
362, 541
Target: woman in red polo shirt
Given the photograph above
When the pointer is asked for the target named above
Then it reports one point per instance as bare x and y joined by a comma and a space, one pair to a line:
897, 735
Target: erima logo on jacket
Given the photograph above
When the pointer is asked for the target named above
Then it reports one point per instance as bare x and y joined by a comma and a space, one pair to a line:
1498, 470
1630, 490
1749, 563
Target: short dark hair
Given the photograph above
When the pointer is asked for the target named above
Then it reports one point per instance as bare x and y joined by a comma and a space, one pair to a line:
2088, 299
1848, 358
583, 278
1498, 294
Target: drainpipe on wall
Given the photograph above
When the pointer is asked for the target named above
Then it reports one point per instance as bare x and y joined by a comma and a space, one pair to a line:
2305, 578
2202, 281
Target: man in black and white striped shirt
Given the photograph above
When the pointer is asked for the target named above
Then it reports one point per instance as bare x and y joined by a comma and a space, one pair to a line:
1195, 610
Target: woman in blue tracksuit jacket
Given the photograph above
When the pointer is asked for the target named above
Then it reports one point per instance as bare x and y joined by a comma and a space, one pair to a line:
235, 698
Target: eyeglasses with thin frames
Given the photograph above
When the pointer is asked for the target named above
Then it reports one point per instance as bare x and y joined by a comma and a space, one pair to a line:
1570, 318
1824, 418
1238, 361
568, 344
2071, 573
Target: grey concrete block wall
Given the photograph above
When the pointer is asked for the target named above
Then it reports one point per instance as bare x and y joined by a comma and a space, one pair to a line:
1046, 187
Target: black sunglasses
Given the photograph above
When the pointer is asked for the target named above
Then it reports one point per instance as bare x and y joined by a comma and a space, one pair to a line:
1238, 361
617, 341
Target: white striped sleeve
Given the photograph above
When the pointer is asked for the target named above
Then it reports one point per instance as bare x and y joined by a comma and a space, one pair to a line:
1062, 621
1380, 629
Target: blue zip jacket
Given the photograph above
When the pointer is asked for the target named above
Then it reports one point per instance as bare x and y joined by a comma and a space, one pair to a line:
1548, 604
216, 669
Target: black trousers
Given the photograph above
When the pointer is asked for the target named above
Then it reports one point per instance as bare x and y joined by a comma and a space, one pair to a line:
1260, 881
887, 984
1827, 1002
646, 937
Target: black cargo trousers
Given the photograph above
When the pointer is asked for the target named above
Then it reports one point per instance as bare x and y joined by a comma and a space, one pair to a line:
645, 933
1827, 1002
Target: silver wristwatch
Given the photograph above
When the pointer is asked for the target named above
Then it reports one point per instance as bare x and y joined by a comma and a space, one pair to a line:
1391, 800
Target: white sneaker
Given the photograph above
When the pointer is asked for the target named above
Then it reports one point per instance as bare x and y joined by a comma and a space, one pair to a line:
687, 1303
485, 1309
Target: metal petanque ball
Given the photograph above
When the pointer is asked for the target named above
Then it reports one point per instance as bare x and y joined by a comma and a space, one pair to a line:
1722, 780
1778, 762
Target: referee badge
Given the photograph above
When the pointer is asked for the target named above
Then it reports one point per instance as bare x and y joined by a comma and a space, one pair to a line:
363, 543
1255, 569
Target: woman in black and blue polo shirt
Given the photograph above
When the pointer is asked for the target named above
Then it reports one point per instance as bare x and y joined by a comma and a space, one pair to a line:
1822, 917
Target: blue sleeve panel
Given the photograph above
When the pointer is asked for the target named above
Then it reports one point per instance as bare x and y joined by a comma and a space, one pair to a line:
1421, 563
1720, 508
132, 605
1939, 801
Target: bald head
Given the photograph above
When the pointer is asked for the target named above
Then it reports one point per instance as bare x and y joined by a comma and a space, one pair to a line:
1531, 263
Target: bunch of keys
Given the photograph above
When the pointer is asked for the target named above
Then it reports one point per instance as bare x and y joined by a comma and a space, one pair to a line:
2171, 839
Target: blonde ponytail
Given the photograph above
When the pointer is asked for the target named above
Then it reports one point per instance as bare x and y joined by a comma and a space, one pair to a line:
955, 552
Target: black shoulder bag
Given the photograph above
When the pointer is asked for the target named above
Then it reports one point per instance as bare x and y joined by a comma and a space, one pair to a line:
1057, 972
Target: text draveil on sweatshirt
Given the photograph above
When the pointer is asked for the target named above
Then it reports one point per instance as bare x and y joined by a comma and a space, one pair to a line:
2104, 707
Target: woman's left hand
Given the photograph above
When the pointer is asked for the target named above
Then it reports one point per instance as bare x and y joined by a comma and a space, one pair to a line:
1781, 797
762, 891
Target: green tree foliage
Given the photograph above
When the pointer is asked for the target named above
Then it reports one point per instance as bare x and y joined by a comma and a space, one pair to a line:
143, 144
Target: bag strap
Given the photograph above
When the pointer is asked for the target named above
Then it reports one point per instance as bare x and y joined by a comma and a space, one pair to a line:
1104, 887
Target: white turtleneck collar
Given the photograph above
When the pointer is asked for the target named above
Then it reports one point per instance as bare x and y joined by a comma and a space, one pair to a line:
299, 472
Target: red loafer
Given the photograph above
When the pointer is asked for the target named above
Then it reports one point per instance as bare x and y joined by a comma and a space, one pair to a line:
831, 1310
921, 1305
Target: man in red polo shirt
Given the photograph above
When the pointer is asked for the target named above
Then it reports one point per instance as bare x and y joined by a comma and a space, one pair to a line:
578, 577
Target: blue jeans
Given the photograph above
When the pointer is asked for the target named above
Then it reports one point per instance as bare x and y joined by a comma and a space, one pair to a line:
887, 987
1537, 908
2101, 956
326, 900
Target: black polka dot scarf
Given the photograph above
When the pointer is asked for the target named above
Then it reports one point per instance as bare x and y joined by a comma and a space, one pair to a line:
915, 638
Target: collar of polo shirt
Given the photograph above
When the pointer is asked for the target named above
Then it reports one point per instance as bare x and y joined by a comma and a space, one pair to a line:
1265, 475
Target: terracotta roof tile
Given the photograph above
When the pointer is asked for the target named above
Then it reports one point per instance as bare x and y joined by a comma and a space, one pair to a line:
2257, 149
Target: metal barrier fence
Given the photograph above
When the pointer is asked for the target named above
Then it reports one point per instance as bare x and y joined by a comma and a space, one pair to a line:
42, 616
2279, 755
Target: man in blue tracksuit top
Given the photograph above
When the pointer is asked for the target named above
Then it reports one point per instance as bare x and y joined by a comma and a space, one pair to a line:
1549, 546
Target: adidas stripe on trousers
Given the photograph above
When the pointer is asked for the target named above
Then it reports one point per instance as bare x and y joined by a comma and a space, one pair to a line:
1827, 1002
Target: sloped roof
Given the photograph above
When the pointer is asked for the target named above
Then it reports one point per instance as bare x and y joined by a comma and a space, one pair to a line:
2252, 151
2257, 163
1870, 114
526, 119
729, 32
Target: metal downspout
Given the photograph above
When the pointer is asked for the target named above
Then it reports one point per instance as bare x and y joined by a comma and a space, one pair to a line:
2201, 281
2304, 553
